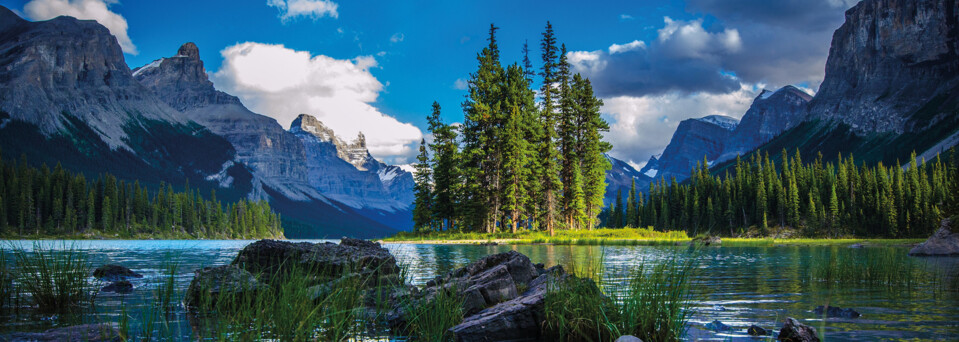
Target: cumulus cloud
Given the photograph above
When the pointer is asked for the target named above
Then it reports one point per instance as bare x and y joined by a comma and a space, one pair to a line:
315, 9
283, 83
87, 10
642, 126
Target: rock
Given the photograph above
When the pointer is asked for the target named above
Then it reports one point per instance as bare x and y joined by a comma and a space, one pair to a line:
488, 281
856, 245
211, 283
943, 242
518, 319
327, 260
693, 139
628, 338
114, 273
718, 326
79, 333
708, 241
770, 114
755, 330
121, 287
836, 312
793, 331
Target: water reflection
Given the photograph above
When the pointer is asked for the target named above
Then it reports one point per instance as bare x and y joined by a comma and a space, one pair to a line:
899, 297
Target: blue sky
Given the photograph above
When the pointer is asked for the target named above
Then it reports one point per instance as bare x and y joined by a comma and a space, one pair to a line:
393, 58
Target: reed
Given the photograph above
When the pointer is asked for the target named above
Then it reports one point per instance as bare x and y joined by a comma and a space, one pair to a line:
432, 317
6, 282
56, 279
576, 310
656, 303
873, 266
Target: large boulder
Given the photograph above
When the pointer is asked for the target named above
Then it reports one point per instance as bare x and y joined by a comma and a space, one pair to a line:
115, 273
79, 333
350, 256
793, 331
488, 281
518, 319
943, 242
212, 283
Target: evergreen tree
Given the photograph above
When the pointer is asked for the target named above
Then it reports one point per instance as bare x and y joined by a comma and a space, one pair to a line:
423, 192
549, 169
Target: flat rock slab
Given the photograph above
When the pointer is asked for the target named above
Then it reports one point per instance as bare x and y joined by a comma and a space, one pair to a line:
78, 333
270, 257
793, 331
945, 242
210, 283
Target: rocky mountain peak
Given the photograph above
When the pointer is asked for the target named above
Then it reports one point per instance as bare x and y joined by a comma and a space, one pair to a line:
9, 19
189, 50
354, 152
181, 81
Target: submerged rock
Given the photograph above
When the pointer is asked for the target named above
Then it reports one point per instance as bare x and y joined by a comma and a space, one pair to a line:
718, 326
121, 287
793, 331
212, 283
944, 242
628, 338
79, 333
755, 330
836, 312
856, 245
114, 273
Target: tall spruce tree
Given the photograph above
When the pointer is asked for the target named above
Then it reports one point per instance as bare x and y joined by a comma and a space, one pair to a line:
423, 191
516, 149
447, 174
549, 169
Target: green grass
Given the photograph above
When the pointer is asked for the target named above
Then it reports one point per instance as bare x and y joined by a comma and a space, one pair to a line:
431, 318
623, 236
55, 279
653, 304
656, 303
872, 266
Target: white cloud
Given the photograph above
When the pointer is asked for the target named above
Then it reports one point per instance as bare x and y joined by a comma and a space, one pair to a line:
283, 83
625, 17
682, 39
642, 126
87, 10
314, 9
633, 45
397, 37
461, 84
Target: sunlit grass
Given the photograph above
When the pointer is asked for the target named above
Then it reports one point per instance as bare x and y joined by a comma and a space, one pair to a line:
624, 236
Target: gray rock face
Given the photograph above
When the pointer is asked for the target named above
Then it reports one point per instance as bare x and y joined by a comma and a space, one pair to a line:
893, 66
793, 331
488, 281
275, 156
770, 114
211, 283
620, 177
693, 140
80, 333
348, 173
943, 242
75, 67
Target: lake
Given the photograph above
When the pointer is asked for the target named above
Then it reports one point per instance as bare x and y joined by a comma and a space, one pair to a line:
899, 297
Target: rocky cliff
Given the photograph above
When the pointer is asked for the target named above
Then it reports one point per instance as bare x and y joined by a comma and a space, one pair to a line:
67, 96
893, 67
770, 114
620, 178
694, 141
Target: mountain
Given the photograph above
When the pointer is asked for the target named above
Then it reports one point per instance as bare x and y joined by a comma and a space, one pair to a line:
693, 139
306, 164
770, 114
891, 86
620, 177
68, 97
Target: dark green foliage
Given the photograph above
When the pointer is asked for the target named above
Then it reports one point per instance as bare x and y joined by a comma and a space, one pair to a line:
656, 303
423, 189
432, 317
45, 202
817, 199
576, 310
515, 163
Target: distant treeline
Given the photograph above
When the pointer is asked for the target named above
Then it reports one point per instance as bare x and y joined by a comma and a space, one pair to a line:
44, 202
832, 199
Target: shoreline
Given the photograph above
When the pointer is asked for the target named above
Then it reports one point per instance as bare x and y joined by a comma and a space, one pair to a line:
728, 242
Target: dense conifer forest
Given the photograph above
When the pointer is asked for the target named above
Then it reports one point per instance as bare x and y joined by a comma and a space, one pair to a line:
817, 199
513, 163
44, 202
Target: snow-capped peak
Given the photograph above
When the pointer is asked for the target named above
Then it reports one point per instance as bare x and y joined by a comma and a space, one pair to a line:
721, 120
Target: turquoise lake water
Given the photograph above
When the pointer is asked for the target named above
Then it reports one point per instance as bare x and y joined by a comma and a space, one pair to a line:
737, 286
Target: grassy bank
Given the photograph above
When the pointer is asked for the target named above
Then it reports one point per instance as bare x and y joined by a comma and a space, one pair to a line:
618, 237
167, 235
